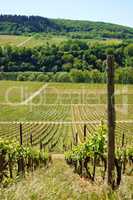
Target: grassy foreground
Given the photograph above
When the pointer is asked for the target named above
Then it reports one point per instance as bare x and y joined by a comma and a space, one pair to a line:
60, 183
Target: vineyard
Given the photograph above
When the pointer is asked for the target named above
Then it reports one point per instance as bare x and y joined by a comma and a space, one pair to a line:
66, 100
55, 113
43, 39
89, 159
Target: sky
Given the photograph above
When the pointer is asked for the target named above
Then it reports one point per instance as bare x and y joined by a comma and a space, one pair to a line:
114, 11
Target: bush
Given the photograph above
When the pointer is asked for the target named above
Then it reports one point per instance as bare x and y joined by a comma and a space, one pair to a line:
42, 78
97, 76
77, 76
63, 77
124, 76
21, 77
32, 77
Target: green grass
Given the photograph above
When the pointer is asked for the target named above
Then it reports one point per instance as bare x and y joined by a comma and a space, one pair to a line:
58, 182
30, 41
41, 39
16, 91
11, 40
61, 102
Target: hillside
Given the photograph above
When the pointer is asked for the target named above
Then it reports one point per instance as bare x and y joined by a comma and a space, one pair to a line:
17, 25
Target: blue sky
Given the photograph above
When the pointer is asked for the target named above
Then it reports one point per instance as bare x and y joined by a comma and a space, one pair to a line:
116, 11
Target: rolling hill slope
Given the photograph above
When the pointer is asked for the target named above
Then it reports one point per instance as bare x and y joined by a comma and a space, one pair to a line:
17, 25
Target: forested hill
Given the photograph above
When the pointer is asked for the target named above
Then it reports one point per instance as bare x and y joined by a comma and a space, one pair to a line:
13, 24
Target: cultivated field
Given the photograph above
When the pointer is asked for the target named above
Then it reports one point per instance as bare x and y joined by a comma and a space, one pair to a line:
30, 41
15, 91
40, 40
54, 112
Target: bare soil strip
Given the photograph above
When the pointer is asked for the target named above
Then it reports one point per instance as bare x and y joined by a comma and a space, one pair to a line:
24, 42
63, 122
25, 102
58, 156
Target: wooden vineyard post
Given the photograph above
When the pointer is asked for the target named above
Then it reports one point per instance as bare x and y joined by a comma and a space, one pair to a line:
111, 118
21, 160
76, 143
10, 166
123, 138
3, 165
124, 159
30, 160
21, 135
31, 139
76, 139
94, 167
85, 132
71, 145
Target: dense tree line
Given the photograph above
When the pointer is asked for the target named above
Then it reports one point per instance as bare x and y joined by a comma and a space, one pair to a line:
13, 24
69, 55
122, 75
89, 29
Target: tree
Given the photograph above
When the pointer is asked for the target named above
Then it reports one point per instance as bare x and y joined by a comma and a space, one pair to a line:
96, 76
67, 67
32, 77
67, 58
21, 77
77, 63
129, 50
77, 76
129, 55
42, 78
63, 77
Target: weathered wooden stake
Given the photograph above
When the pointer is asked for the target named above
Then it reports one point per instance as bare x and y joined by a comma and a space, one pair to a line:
76, 139
31, 139
123, 140
124, 159
76, 143
10, 167
111, 118
21, 160
94, 167
21, 135
85, 132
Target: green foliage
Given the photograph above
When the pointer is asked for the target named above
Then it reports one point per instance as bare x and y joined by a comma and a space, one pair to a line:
94, 152
122, 75
16, 151
64, 57
11, 153
42, 77
21, 77
18, 25
95, 144
86, 63
110, 51
129, 50
62, 77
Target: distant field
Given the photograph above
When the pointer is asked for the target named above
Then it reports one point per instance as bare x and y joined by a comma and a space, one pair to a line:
29, 41
11, 40
15, 91
38, 40
54, 112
